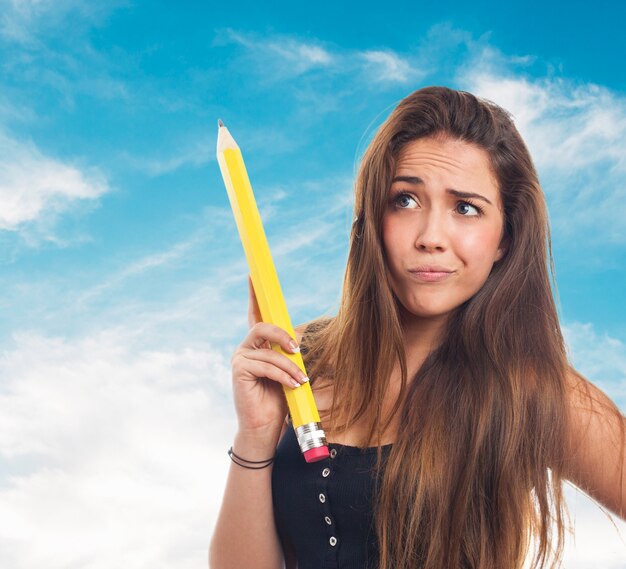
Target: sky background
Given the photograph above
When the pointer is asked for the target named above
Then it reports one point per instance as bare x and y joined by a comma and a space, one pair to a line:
124, 283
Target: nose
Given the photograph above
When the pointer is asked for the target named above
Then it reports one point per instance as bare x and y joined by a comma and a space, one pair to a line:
432, 235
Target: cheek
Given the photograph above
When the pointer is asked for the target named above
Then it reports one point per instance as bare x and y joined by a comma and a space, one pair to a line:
394, 242
478, 249
388, 237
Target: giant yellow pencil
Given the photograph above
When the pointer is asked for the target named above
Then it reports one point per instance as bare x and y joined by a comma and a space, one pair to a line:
304, 415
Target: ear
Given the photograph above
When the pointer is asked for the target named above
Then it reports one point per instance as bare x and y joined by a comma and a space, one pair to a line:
502, 249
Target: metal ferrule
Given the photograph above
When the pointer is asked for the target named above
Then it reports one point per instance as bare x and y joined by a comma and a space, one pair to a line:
310, 435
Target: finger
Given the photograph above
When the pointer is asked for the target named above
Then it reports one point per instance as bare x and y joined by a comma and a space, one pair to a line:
254, 312
259, 367
282, 364
263, 332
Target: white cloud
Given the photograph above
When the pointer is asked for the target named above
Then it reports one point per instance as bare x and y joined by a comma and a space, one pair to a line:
46, 47
575, 133
34, 186
22, 21
388, 67
12, 111
195, 155
302, 54
112, 455
281, 57
565, 125
202, 150
139, 267
287, 56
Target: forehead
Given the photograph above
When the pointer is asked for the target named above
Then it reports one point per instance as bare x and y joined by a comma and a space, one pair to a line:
453, 163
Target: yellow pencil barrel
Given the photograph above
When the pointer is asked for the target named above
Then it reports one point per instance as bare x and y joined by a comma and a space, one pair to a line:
302, 407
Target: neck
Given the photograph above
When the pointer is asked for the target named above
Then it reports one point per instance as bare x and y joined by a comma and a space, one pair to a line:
421, 335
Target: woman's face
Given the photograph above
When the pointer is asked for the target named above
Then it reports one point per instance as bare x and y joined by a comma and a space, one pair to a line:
428, 224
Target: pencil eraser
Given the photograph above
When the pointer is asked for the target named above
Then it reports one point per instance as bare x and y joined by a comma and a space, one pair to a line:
315, 454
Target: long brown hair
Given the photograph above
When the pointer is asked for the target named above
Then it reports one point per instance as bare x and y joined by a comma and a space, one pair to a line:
475, 474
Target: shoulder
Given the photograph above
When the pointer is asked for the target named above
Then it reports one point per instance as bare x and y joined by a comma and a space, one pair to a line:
595, 443
300, 329
593, 417
311, 328
589, 406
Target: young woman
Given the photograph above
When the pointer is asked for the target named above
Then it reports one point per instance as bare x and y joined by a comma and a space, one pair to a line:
451, 410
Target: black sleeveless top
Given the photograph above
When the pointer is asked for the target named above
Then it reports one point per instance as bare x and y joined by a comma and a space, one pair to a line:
324, 510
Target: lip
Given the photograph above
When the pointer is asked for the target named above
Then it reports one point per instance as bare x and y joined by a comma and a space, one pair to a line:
431, 269
431, 273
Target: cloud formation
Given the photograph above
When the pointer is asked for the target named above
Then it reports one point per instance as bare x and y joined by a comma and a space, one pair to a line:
285, 56
575, 133
388, 67
281, 57
109, 451
35, 188
22, 21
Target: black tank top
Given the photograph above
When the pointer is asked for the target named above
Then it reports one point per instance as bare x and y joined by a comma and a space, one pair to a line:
324, 510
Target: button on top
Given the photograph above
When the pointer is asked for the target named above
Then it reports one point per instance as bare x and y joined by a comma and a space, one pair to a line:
322, 498
333, 540
333, 452
325, 472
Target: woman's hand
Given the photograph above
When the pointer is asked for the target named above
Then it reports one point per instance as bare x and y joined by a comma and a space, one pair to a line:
259, 373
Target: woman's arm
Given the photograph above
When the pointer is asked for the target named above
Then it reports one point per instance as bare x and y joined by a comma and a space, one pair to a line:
245, 535
596, 447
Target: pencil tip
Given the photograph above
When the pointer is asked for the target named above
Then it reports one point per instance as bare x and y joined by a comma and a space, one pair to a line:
219, 123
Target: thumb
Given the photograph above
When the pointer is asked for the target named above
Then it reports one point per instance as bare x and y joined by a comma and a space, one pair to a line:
254, 313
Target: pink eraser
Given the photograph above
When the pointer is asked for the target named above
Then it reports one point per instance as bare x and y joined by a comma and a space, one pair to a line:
315, 454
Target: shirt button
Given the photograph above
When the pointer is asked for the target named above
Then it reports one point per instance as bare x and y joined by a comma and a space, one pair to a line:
322, 498
328, 520
333, 540
333, 452
325, 472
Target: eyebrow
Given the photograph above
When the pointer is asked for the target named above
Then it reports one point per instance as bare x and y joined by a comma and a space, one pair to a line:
417, 181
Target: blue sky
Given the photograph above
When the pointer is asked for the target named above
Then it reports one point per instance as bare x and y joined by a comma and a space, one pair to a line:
123, 278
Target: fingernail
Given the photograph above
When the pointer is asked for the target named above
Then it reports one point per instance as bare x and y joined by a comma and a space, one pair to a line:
304, 378
295, 383
294, 347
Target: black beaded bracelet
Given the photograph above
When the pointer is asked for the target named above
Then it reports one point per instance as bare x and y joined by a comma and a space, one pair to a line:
236, 458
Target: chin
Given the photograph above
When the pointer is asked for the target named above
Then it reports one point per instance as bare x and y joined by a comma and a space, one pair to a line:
432, 315
424, 312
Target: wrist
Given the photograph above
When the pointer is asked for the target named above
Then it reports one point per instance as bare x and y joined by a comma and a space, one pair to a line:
249, 464
255, 445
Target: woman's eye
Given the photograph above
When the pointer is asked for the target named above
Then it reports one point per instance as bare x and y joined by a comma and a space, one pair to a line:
403, 197
402, 200
467, 204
